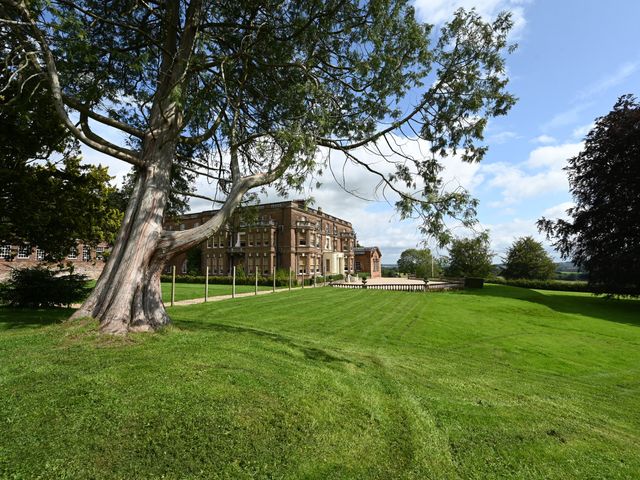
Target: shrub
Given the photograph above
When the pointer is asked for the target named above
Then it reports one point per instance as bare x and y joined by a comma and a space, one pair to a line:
557, 285
40, 287
473, 282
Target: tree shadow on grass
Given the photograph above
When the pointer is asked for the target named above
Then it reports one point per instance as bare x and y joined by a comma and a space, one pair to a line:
310, 353
620, 310
12, 318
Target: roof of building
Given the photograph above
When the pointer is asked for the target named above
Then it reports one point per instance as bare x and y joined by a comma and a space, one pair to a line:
298, 204
363, 250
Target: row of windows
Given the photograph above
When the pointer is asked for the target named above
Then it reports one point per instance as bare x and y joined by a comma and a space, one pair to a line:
25, 252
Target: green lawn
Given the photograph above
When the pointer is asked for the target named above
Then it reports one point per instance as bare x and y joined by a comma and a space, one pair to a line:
330, 383
185, 291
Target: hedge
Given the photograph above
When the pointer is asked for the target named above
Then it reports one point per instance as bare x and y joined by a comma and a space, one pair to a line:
558, 285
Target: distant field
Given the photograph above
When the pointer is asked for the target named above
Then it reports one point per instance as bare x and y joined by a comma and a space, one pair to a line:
331, 384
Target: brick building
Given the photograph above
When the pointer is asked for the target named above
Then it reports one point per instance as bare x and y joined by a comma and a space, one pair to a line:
284, 235
367, 260
86, 260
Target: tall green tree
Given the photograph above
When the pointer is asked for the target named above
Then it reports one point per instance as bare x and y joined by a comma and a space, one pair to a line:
418, 262
257, 89
470, 257
527, 258
602, 234
47, 198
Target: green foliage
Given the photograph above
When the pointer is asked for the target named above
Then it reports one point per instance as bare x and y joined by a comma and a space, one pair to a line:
527, 259
558, 285
473, 282
533, 381
601, 235
42, 287
194, 261
470, 257
54, 207
314, 74
389, 271
418, 263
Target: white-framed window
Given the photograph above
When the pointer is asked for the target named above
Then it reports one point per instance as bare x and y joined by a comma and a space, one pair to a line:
24, 251
5, 251
86, 253
184, 267
99, 253
73, 253
40, 254
327, 243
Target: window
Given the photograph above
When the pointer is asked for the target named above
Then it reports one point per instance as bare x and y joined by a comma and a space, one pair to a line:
210, 243
250, 240
86, 254
24, 251
73, 253
39, 254
182, 226
99, 253
358, 266
302, 240
184, 267
376, 265
327, 243
5, 252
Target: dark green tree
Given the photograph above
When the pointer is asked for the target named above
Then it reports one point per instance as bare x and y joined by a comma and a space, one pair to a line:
527, 258
470, 257
602, 234
256, 88
47, 198
418, 262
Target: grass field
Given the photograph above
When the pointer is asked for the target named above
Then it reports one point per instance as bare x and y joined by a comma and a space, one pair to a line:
330, 383
186, 291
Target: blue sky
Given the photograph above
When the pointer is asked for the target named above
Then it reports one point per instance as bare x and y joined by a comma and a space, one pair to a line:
574, 59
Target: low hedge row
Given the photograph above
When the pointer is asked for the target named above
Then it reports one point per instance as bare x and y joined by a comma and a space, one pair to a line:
558, 285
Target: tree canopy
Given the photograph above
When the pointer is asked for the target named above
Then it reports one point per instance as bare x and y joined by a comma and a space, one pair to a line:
47, 198
527, 259
470, 257
602, 233
418, 262
258, 93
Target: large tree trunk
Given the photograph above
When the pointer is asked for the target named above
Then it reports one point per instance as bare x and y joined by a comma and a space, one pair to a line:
127, 296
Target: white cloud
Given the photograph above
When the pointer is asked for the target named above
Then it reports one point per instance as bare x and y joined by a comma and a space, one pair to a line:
544, 139
610, 80
502, 137
440, 11
553, 156
558, 211
581, 132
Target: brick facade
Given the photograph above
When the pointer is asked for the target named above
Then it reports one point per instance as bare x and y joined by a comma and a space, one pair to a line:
367, 260
284, 235
85, 259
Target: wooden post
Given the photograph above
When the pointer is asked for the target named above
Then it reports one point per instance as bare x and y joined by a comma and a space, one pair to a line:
256, 281
173, 285
233, 288
206, 284
289, 279
274, 278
